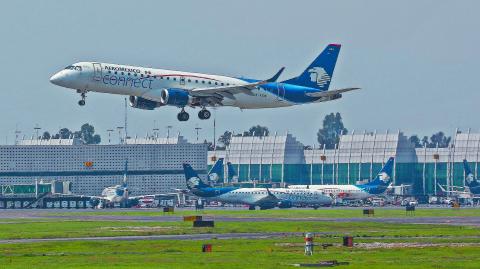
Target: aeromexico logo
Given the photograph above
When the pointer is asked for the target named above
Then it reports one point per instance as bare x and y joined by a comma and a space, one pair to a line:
319, 75
384, 177
469, 178
193, 182
213, 177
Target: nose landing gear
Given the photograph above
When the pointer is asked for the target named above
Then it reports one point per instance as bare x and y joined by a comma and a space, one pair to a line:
204, 114
183, 116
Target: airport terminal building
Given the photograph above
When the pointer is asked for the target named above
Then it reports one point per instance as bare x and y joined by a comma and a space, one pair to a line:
154, 165
357, 157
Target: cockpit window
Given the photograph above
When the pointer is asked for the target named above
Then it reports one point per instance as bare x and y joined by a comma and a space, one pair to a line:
74, 67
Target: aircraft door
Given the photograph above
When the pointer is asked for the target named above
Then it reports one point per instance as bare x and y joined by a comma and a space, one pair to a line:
182, 80
281, 92
97, 71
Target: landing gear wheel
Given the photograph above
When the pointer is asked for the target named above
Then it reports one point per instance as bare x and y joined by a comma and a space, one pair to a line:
252, 207
204, 114
183, 116
83, 94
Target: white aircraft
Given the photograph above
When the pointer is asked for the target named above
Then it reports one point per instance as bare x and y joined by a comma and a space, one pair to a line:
357, 192
119, 194
471, 190
263, 197
150, 88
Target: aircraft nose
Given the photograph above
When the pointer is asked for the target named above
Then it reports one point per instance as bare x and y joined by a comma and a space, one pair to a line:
56, 79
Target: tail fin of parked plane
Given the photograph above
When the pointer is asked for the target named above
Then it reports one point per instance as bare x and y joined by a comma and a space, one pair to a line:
468, 173
319, 73
384, 176
232, 174
193, 180
216, 171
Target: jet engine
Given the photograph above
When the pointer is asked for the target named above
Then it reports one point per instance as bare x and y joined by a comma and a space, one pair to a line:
285, 204
142, 103
174, 97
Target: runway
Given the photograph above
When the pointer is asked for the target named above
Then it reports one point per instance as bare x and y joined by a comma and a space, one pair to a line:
9, 216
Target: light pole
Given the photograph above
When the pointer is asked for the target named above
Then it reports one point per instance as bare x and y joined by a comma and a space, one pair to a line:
37, 128
120, 128
168, 132
197, 129
109, 131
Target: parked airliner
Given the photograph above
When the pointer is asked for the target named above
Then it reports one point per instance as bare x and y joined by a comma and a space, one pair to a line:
472, 185
150, 88
262, 197
377, 186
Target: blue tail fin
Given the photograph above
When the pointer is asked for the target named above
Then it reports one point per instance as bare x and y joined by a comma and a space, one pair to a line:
216, 171
468, 173
193, 180
231, 171
384, 176
319, 73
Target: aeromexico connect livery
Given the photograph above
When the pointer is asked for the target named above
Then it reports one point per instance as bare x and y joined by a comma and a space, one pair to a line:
262, 197
472, 184
150, 88
377, 186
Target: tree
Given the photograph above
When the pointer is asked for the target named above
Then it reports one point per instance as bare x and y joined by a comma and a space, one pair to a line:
209, 145
87, 134
415, 141
46, 135
439, 139
257, 131
425, 141
329, 134
63, 133
225, 138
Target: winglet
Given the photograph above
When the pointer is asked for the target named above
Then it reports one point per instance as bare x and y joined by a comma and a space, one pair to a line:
276, 76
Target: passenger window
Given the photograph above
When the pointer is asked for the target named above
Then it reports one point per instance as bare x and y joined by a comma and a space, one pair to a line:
175, 79
196, 81
123, 73
115, 72
209, 82
129, 74
168, 78
221, 84
135, 74
216, 83
189, 80
203, 81
141, 75
109, 71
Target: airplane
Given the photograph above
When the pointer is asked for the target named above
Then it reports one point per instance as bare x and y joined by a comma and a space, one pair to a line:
120, 194
150, 88
376, 187
471, 190
253, 197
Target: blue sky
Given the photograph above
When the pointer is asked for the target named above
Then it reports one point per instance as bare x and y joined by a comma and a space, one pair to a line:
416, 61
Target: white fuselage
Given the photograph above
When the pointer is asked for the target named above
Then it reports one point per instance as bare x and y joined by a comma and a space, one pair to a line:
253, 196
342, 191
148, 83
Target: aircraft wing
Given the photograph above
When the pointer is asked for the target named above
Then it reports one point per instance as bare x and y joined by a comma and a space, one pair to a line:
270, 199
155, 195
330, 93
229, 91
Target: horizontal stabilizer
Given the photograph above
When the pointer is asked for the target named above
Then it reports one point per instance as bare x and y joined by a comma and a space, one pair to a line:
330, 93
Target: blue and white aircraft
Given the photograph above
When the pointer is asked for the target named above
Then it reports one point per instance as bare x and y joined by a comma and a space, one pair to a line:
150, 88
377, 186
262, 197
472, 185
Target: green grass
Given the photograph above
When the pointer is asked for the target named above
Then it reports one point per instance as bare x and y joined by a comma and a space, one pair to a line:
272, 253
291, 213
59, 228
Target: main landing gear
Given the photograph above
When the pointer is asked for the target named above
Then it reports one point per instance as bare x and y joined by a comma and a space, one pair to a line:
83, 94
204, 114
183, 116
